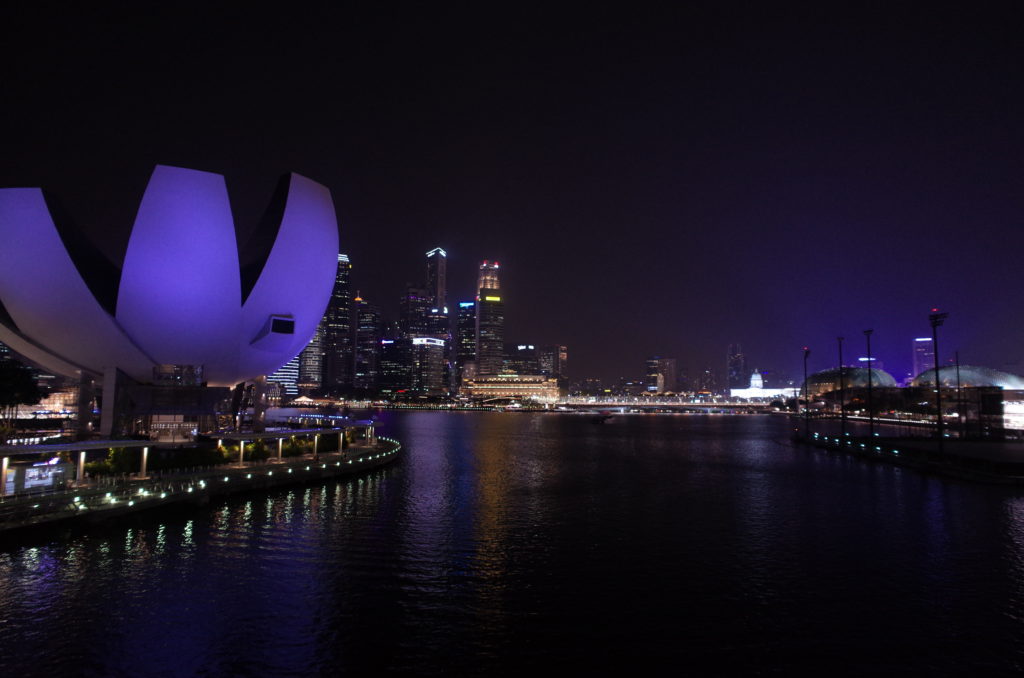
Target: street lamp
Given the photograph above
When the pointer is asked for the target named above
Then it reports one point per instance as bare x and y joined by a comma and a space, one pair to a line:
807, 403
842, 391
871, 404
936, 319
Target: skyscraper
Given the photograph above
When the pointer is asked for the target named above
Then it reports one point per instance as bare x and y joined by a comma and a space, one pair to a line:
338, 355
737, 375
488, 278
490, 321
922, 356
311, 364
367, 346
286, 377
522, 359
465, 336
554, 361
414, 316
437, 277
661, 375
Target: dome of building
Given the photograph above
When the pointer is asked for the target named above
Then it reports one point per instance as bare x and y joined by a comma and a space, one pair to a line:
854, 377
970, 375
186, 297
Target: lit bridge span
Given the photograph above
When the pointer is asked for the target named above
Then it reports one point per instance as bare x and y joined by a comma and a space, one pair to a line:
662, 404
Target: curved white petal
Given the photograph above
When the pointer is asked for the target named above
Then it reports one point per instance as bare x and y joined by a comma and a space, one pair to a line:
296, 281
47, 297
180, 294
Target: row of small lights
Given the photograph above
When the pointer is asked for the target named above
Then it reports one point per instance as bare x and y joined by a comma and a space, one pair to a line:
837, 441
202, 483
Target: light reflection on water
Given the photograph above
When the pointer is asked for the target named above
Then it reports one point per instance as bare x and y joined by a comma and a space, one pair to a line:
505, 542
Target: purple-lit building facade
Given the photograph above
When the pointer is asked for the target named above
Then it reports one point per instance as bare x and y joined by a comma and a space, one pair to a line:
187, 295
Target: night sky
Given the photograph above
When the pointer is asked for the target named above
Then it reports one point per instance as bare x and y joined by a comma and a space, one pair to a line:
651, 183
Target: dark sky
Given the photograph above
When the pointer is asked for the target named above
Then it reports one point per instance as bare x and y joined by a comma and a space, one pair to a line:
651, 183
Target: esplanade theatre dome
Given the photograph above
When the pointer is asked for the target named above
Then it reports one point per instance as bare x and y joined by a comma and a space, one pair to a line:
854, 377
970, 375
187, 294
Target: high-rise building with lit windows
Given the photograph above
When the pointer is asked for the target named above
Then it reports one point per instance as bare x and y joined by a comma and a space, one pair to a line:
554, 361
490, 321
437, 279
660, 375
311, 364
287, 377
367, 347
414, 316
337, 346
923, 355
465, 337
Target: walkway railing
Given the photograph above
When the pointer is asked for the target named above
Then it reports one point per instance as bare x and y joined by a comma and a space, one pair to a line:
154, 490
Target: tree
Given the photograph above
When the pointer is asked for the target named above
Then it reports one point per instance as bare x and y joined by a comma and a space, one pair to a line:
17, 387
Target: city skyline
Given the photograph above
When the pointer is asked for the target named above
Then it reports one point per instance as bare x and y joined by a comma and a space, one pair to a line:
773, 178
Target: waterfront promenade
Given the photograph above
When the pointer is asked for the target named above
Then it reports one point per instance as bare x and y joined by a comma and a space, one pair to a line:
104, 499
990, 461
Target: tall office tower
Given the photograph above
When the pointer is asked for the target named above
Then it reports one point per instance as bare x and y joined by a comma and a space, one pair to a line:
367, 349
311, 364
437, 279
661, 375
522, 359
465, 336
414, 312
337, 343
394, 368
923, 356
287, 378
490, 321
553, 361
488, 278
428, 363
737, 375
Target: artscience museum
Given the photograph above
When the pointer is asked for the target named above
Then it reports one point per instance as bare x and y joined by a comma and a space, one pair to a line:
190, 305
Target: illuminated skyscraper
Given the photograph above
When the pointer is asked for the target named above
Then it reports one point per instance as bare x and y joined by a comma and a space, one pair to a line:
338, 355
311, 364
554, 361
923, 355
367, 346
437, 276
465, 336
490, 321
414, 316
522, 359
488, 278
661, 375
428, 366
287, 377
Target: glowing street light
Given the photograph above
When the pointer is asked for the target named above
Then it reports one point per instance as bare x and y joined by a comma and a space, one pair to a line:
871, 405
936, 319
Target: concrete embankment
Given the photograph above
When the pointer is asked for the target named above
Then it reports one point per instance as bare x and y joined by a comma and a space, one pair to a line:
984, 461
86, 505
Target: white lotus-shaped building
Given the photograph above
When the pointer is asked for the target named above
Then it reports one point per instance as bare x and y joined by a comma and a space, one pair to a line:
185, 295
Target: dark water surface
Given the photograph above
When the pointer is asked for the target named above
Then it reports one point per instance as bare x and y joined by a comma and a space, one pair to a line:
509, 542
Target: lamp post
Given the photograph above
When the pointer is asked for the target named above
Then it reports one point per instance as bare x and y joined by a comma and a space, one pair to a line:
807, 403
959, 399
936, 319
871, 403
842, 391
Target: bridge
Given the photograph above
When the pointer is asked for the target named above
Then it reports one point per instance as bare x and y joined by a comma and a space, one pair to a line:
665, 404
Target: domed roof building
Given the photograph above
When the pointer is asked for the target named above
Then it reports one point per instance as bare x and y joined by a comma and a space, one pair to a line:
855, 377
970, 376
